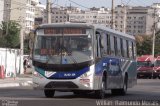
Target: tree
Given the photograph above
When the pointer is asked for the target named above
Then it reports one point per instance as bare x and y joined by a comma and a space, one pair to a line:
144, 44
10, 34
157, 44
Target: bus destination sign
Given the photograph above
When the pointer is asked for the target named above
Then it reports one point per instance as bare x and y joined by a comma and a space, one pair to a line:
65, 31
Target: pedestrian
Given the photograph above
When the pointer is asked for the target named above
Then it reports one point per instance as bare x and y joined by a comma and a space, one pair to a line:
25, 65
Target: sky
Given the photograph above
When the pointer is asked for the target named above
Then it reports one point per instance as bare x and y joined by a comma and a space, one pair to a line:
100, 3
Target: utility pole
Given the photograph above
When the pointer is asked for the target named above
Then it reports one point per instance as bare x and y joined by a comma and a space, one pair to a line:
48, 11
112, 21
124, 21
7, 22
21, 48
154, 32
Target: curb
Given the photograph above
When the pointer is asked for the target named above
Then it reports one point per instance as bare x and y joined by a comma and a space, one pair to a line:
16, 84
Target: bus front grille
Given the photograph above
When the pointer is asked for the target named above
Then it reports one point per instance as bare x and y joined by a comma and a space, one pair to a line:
56, 85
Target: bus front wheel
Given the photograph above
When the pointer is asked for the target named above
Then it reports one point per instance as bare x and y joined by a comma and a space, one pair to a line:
101, 93
49, 93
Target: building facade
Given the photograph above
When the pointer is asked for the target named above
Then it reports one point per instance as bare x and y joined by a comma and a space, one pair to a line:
58, 14
1, 10
140, 21
93, 15
156, 6
134, 20
21, 11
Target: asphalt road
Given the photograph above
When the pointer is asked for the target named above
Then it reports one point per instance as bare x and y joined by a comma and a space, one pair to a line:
146, 93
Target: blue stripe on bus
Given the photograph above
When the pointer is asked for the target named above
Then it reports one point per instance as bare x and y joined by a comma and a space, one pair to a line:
64, 75
114, 62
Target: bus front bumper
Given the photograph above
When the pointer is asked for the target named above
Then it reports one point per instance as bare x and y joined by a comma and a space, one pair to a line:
62, 84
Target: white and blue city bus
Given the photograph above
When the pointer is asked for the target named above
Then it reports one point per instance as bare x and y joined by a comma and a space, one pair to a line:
82, 57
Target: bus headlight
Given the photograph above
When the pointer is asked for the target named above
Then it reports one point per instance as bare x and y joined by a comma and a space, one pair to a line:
36, 74
87, 74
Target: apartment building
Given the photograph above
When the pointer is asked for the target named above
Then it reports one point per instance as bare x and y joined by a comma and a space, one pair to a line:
140, 21
39, 13
58, 14
134, 20
120, 17
93, 15
22, 11
156, 6
1, 10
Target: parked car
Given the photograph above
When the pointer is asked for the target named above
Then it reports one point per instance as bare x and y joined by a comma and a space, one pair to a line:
156, 69
145, 66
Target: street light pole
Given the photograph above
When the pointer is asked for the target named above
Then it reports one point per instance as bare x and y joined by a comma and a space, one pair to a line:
48, 11
153, 42
21, 49
112, 21
154, 32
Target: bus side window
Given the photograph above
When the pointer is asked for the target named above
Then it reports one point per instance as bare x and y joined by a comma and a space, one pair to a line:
115, 46
118, 47
127, 47
121, 48
132, 50
108, 44
112, 46
124, 48
103, 44
98, 53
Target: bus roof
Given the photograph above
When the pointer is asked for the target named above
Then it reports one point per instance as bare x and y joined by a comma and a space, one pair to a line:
114, 31
65, 24
89, 25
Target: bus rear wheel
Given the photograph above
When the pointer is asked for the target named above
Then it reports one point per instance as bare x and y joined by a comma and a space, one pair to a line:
49, 93
121, 91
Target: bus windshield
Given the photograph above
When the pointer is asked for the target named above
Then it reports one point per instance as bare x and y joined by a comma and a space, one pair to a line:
63, 48
143, 63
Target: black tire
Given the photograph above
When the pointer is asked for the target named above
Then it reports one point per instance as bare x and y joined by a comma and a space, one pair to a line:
123, 90
77, 92
100, 94
81, 92
49, 93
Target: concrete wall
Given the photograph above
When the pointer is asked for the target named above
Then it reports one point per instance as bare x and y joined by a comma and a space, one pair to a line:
10, 59
1, 10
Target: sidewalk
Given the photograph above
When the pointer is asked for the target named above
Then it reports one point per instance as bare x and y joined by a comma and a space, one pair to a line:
19, 80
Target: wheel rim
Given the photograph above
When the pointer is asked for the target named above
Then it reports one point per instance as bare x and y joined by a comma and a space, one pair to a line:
125, 87
103, 89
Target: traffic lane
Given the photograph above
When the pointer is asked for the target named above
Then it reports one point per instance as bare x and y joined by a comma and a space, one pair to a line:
68, 99
144, 90
25, 96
